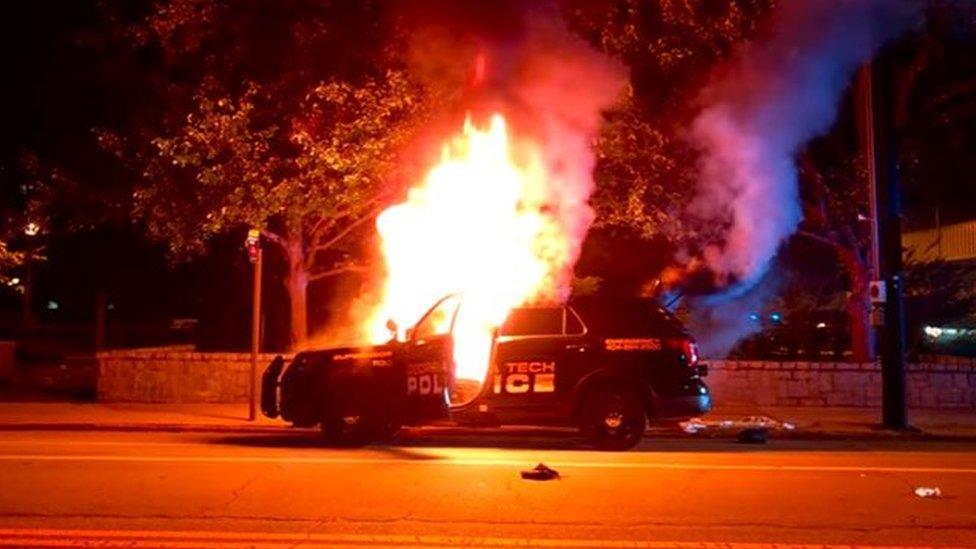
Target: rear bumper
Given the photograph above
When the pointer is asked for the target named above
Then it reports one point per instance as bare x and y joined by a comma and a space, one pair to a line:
695, 400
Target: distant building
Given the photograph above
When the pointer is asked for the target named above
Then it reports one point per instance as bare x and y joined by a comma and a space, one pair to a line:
956, 242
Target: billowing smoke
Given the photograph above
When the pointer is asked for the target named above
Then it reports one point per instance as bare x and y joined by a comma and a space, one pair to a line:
759, 111
501, 213
519, 59
773, 98
566, 86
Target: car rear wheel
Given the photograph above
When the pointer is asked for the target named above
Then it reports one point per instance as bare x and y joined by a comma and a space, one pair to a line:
612, 418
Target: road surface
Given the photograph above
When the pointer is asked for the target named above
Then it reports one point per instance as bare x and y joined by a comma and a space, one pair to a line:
64, 489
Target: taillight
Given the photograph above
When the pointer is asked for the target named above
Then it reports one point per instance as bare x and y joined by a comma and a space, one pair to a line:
687, 348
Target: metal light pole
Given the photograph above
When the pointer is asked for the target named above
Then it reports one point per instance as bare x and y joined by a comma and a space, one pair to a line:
254, 254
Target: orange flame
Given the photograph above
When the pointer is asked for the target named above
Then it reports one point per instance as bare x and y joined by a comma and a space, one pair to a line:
477, 226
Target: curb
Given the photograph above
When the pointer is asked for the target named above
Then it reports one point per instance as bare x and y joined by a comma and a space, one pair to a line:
829, 436
723, 435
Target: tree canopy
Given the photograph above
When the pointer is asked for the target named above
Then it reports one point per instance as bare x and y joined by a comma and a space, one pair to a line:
304, 147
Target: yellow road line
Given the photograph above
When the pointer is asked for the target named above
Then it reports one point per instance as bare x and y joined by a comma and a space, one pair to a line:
170, 539
448, 460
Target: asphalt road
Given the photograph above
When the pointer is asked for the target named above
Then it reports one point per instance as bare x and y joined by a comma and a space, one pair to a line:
62, 489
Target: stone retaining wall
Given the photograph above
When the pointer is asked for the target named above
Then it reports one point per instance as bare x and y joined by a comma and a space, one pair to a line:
948, 384
175, 374
180, 374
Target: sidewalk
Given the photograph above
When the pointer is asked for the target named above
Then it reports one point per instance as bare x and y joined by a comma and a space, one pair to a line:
851, 423
808, 423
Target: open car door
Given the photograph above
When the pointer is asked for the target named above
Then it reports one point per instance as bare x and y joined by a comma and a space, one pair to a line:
425, 359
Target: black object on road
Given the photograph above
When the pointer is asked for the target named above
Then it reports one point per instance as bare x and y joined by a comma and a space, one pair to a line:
540, 472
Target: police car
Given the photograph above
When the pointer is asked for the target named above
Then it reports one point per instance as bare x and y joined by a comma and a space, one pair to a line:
605, 365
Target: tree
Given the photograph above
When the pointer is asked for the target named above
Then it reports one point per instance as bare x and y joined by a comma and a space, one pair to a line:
834, 184
646, 169
35, 197
835, 199
307, 178
9, 260
642, 178
670, 46
263, 124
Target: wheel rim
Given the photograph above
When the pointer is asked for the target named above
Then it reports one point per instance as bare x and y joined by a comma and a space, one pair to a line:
617, 418
613, 420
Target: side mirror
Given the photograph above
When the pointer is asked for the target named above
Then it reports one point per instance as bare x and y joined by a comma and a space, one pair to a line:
391, 325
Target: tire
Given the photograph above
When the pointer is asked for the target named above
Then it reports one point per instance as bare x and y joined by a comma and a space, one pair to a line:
348, 428
612, 418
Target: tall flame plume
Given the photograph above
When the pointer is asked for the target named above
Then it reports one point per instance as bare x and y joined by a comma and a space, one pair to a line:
478, 225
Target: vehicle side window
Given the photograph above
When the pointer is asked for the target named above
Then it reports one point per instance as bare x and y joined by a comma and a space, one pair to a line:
574, 326
640, 320
533, 322
437, 321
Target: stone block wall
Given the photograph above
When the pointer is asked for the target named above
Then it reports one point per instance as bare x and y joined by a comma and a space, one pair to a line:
175, 374
180, 374
946, 383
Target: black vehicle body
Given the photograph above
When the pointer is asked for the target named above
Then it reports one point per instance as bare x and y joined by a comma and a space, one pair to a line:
545, 362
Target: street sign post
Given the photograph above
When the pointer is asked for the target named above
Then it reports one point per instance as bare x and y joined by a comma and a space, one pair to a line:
254, 254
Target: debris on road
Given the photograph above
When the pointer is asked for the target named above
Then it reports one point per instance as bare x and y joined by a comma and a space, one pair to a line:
540, 472
928, 492
754, 435
696, 425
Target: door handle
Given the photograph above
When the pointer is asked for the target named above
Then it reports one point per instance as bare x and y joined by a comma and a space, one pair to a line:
578, 347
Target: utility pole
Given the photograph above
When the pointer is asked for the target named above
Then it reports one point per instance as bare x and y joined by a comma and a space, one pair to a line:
254, 253
887, 248
864, 102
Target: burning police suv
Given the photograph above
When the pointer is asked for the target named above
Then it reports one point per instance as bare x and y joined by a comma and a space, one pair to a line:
605, 365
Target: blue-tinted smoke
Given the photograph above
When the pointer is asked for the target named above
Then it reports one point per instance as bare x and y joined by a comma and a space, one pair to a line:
758, 113
760, 110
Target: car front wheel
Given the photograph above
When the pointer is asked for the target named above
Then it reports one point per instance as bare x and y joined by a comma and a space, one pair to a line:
612, 418
346, 428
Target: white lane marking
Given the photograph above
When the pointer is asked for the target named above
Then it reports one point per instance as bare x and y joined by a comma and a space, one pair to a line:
447, 460
16, 537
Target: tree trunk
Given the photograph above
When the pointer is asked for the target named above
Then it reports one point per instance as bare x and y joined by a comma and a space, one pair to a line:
859, 306
297, 284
